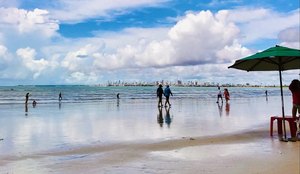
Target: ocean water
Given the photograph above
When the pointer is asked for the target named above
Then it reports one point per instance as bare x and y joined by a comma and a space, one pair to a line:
91, 115
87, 94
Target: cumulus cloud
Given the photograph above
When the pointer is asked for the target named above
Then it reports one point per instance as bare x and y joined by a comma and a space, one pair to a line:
3, 50
290, 34
257, 24
21, 28
201, 45
290, 37
232, 52
82, 78
198, 38
23, 21
79, 59
3, 57
27, 56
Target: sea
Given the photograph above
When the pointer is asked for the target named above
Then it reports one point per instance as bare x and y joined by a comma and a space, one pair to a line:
93, 116
47, 94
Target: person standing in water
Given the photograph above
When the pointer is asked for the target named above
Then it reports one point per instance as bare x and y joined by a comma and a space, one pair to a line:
34, 103
59, 97
26, 98
159, 93
167, 93
219, 95
226, 95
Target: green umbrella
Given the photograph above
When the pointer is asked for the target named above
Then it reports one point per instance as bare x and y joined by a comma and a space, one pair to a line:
276, 58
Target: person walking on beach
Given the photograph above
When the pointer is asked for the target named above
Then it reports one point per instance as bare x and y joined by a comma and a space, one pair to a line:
295, 89
59, 97
226, 95
219, 95
159, 93
26, 98
167, 93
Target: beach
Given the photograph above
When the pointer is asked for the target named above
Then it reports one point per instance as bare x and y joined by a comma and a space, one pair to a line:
131, 135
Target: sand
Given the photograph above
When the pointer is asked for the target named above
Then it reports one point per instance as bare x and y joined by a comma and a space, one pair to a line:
245, 152
77, 140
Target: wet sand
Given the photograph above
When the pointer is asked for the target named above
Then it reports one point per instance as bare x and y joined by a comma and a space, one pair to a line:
130, 138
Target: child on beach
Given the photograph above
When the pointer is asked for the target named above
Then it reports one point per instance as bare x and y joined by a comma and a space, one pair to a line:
226, 95
34, 103
219, 95
159, 93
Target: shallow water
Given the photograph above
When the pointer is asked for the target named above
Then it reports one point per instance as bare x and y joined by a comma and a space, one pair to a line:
94, 94
54, 126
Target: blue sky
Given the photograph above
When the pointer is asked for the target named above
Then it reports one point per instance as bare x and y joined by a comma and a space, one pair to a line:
75, 42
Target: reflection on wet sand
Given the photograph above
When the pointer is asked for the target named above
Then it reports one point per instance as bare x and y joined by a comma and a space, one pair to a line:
227, 108
26, 110
168, 119
118, 102
161, 118
220, 107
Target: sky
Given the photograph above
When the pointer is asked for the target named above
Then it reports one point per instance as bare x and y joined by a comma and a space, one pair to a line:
56, 42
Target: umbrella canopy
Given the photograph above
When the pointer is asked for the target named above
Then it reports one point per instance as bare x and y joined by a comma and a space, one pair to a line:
272, 59
276, 58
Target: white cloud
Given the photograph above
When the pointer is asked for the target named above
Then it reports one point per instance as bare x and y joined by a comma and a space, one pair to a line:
290, 34
79, 60
198, 37
195, 39
232, 52
200, 46
290, 37
24, 21
10, 67
148, 54
3, 50
82, 78
74, 11
3, 57
245, 15
27, 56
26, 28
257, 24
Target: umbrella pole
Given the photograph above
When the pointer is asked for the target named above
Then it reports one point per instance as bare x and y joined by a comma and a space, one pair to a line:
282, 106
